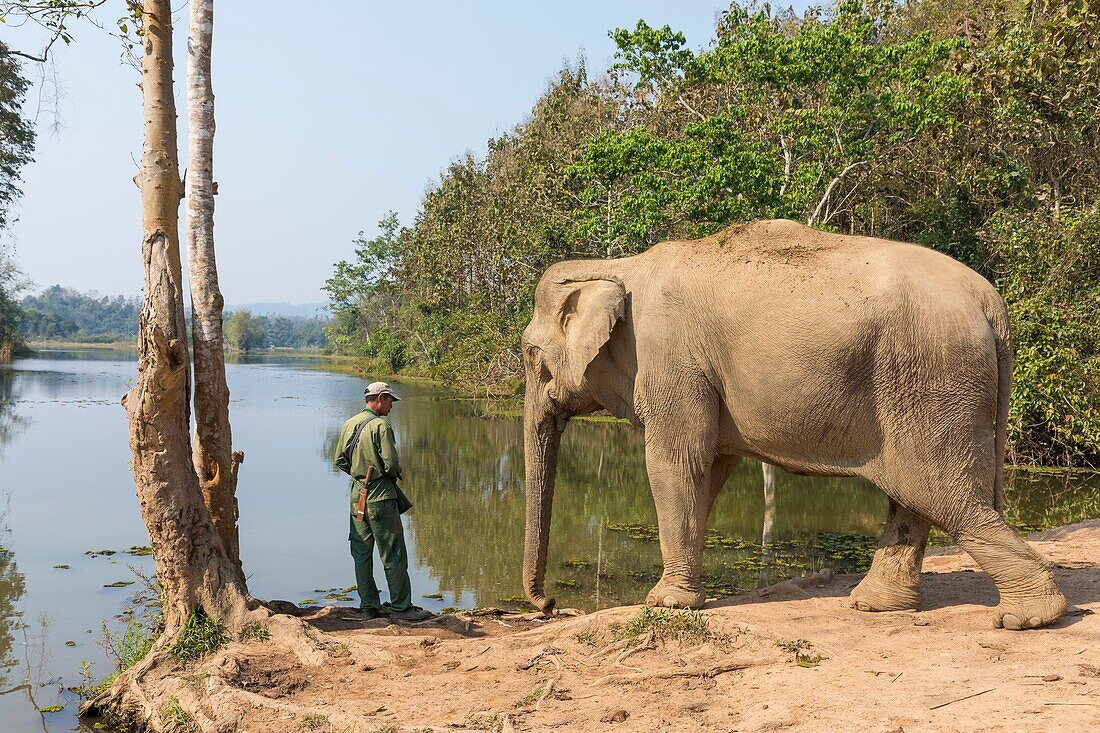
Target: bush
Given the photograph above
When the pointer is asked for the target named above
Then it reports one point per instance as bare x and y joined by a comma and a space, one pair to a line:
1047, 267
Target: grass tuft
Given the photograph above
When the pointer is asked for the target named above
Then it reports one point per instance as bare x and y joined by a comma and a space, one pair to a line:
256, 631
176, 719
804, 656
490, 721
313, 721
531, 697
688, 627
201, 636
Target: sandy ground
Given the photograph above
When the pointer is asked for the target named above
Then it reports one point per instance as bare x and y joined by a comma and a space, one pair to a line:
944, 668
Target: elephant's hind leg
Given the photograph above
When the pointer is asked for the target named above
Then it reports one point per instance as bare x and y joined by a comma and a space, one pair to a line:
1029, 595
893, 582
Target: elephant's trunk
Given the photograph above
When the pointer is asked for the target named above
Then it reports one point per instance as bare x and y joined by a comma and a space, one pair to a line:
541, 438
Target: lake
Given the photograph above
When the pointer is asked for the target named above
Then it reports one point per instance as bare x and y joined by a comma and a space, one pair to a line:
66, 494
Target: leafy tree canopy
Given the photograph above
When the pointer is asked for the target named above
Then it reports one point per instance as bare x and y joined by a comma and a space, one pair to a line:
971, 128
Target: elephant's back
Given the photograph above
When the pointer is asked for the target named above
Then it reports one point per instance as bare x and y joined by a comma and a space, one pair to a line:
785, 256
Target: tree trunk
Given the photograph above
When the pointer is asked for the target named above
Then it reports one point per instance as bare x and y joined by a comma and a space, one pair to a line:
192, 567
215, 462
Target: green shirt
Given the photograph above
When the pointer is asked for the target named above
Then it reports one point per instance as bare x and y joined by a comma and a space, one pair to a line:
376, 448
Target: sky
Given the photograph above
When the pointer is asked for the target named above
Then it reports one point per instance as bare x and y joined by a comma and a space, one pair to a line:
329, 114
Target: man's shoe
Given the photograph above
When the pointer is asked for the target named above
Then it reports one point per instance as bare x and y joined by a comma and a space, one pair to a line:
370, 614
413, 613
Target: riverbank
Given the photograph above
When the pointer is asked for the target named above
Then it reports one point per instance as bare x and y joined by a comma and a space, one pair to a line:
81, 345
788, 657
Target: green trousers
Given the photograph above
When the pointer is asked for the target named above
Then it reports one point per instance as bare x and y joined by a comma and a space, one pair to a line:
382, 528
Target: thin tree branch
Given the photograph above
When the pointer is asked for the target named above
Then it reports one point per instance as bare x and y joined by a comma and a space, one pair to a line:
829, 191
786, 164
78, 9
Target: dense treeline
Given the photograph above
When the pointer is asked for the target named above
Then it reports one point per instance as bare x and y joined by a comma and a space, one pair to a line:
16, 146
245, 331
63, 314
972, 128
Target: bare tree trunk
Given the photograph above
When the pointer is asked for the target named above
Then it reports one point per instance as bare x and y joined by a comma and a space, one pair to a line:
192, 567
215, 462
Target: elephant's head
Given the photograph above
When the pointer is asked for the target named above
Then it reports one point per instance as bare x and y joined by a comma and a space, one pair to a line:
575, 314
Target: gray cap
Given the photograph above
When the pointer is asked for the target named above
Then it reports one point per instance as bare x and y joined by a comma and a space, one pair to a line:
379, 388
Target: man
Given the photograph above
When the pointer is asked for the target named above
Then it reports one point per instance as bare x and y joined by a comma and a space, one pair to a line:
382, 525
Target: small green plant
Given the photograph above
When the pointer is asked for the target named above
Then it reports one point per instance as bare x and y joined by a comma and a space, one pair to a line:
531, 697
587, 637
196, 682
256, 631
804, 656
51, 709
689, 627
129, 647
176, 718
489, 721
313, 721
201, 635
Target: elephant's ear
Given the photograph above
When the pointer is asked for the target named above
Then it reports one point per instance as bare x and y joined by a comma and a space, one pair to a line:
588, 313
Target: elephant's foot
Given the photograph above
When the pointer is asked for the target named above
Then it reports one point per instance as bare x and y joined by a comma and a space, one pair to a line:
873, 594
1029, 612
668, 595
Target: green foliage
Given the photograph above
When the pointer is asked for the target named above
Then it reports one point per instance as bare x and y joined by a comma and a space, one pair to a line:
531, 697
257, 631
16, 133
489, 721
11, 314
688, 627
1048, 270
958, 126
244, 331
200, 636
313, 721
176, 719
59, 313
802, 651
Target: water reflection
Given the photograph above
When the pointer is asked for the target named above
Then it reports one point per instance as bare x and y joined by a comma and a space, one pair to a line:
465, 475
12, 587
11, 423
20, 677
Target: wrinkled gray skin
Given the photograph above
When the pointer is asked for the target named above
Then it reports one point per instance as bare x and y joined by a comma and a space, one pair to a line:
819, 353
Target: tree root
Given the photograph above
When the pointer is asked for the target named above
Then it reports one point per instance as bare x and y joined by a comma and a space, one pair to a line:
674, 672
646, 644
139, 694
548, 691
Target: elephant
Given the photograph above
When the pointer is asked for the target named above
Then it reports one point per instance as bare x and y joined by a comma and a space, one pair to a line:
820, 353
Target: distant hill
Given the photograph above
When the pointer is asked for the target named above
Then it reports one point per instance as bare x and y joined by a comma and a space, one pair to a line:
290, 310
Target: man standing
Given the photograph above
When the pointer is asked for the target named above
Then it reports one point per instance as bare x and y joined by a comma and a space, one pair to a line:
367, 440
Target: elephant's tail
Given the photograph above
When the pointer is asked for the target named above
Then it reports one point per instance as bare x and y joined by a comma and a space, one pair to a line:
999, 322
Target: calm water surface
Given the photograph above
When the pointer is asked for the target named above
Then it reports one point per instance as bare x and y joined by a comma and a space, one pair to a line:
66, 490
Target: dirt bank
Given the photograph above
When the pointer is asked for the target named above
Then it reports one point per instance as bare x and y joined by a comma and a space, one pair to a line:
790, 657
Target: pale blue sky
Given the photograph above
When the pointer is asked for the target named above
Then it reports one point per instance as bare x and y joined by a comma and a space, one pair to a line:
330, 113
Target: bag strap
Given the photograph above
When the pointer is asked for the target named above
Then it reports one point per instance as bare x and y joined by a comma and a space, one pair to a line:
354, 442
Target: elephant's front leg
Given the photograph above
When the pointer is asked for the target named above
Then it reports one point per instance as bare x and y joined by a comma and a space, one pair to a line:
683, 492
893, 582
